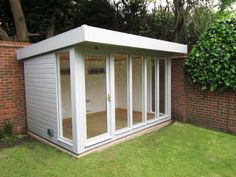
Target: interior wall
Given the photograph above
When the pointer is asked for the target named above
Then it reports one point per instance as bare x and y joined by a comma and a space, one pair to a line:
95, 90
137, 82
137, 103
121, 84
66, 96
95, 87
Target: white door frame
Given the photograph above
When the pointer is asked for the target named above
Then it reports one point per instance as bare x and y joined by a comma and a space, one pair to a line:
108, 134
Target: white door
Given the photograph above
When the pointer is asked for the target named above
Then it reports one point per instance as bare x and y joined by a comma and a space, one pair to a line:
97, 98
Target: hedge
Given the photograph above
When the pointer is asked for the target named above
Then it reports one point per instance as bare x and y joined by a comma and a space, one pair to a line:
212, 61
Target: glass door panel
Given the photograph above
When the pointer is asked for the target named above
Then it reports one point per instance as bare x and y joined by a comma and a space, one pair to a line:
137, 89
121, 107
64, 82
151, 88
162, 87
96, 95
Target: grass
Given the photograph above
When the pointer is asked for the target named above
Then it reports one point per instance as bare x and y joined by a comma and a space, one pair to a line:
178, 150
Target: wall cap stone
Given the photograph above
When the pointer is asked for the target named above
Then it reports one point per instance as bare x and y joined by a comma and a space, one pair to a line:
14, 44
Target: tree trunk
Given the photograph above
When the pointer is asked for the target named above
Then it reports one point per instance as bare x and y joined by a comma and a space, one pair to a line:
3, 34
179, 25
179, 18
19, 20
50, 30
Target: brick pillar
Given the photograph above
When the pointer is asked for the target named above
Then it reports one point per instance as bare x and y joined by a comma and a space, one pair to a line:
12, 94
232, 112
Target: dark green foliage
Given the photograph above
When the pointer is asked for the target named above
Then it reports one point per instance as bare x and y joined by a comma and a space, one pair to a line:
7, 140
161, 25
224, 4
6, 19
212, 60
66, 15
99, 13
41, 14
7, 128
45, 18
182, 21
199, 22
6, 136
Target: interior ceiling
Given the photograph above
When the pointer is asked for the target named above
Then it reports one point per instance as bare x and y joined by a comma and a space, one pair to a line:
127, 50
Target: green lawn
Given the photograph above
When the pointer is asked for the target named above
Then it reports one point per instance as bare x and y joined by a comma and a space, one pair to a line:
177, 150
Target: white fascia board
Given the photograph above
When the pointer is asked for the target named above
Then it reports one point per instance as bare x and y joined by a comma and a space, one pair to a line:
54, 43
98, 35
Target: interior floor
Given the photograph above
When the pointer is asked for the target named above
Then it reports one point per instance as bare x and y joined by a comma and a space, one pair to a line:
97, 122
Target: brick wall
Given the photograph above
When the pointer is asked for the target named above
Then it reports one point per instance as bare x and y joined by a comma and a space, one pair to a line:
12, 95
216, 110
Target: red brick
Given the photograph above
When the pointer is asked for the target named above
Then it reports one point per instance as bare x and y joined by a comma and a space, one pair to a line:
12, 95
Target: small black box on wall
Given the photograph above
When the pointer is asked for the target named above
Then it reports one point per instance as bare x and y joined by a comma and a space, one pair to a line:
50, 132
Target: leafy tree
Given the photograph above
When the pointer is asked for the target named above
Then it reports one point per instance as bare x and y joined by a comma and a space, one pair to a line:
100, 13
197, 23
136, 19
164, 24
224, 4
179, 20
45, 18
133, 15
212, 61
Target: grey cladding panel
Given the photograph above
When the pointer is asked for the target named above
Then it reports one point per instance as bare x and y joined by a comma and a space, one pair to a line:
41, 101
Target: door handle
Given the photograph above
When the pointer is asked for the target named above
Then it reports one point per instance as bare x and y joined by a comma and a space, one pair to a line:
109, 97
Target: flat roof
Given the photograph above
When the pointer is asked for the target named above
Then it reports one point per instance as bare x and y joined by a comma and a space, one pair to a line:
91, 34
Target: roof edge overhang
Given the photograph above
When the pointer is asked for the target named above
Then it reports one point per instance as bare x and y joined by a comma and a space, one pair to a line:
90, 34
